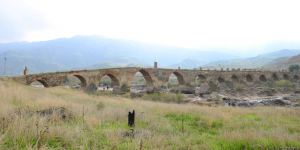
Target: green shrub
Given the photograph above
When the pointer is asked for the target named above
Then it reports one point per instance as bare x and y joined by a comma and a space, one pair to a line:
100, 106
239, 87
284, 84
57, 142
164, 97
217, 124
125, 88
294, 68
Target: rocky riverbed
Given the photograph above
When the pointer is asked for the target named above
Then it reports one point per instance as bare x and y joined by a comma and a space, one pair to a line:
286, 100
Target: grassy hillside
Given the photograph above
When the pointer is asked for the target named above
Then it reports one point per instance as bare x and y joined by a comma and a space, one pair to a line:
283, 63
100, 122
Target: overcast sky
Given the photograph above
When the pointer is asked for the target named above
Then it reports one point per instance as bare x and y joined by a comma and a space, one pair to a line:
229, 24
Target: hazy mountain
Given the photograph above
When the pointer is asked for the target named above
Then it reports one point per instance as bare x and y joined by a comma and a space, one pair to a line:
283, 63
90, 52
119, 62
259, 61
281, 53
187, 63
201, 58
93, 52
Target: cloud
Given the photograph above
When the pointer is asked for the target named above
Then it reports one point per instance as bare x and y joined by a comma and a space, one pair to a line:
244, 26
17, 19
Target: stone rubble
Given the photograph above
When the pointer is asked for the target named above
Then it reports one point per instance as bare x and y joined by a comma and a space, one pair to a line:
271, 101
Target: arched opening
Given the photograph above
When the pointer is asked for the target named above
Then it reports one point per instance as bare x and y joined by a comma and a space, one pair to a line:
75, 81
221, 80
249, 78
107, 82
262, 78
275, 77
141, 80
285, 76
296, 77
39, 84
234, 78
175, 78
200, 79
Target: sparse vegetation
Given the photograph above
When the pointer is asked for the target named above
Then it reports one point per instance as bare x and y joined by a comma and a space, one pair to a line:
100, 106
164, 97
100, 122
284, 84
294, 68
125, 88
104, 93
239, 87
213, 86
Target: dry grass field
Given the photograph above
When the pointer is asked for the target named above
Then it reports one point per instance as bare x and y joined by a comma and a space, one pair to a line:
100, 122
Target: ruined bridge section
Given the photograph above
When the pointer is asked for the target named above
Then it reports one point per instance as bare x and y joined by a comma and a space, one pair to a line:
156, 77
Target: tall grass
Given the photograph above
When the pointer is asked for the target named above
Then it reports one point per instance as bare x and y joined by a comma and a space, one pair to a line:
164, 97
100, 122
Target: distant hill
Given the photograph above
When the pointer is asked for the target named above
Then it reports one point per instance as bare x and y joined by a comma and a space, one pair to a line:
92, 52
119, 62
283, 63
260, 61
201, 58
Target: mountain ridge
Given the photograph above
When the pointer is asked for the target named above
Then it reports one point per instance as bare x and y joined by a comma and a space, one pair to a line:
260, 61
91, 52
86, 52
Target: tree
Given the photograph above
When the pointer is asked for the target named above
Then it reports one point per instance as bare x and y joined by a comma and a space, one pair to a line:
294, 68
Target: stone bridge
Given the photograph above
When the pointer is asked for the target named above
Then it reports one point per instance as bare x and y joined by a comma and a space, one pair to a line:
157, 77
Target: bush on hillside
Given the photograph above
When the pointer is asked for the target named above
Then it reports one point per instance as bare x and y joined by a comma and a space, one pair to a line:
284, 84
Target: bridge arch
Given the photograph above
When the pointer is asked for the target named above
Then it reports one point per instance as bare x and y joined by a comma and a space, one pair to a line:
275, 77
82, 80
114, 80
40, 81
75, 81
179, 77
199, 79
262, 78
146, 76
249, 78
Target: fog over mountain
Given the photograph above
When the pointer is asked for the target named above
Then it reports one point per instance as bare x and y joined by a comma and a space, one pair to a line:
209, 34
260, 61
90, 52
